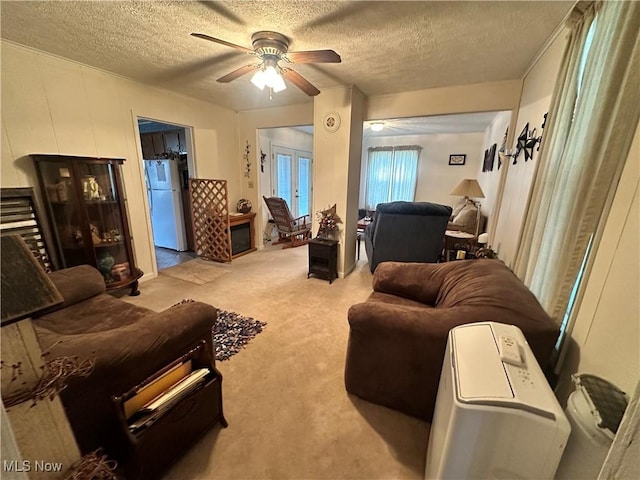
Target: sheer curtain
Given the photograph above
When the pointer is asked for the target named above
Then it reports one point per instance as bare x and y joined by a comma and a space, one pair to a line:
592, 120
405, 170
379, 176
391, 174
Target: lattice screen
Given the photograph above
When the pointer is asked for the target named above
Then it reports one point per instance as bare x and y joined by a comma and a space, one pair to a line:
210, 213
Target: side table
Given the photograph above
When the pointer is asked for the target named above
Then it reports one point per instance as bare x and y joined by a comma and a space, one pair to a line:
323, 258
451, 236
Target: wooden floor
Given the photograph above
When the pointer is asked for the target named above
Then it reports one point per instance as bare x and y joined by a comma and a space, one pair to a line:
168, 258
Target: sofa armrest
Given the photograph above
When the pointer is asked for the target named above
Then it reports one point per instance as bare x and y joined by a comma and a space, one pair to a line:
395, 355
416, 281
124, 357
77, 284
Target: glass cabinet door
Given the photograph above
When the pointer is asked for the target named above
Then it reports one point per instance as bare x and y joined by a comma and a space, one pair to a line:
65, 212
104, 216
88, 215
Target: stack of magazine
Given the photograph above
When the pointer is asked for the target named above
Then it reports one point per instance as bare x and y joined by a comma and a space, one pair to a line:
152, 410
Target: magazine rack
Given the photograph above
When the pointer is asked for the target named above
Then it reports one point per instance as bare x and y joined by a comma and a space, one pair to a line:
155, 438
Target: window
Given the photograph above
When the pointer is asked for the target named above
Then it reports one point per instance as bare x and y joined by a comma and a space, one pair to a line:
392, 174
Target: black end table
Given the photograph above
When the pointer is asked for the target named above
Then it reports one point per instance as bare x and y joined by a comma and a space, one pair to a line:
323, 258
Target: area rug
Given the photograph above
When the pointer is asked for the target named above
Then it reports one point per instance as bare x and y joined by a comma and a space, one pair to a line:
232, 332
196, 271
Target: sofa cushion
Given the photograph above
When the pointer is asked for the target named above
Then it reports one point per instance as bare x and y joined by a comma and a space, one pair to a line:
457, 208
77, 284
419, 282
467, 218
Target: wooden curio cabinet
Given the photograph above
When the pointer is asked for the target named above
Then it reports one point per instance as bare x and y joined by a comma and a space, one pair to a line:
87, 214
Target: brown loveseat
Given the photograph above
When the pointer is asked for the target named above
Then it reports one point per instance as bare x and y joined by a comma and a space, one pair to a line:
128, 344
398, 336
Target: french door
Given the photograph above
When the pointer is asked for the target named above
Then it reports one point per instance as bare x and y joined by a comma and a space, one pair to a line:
292, 179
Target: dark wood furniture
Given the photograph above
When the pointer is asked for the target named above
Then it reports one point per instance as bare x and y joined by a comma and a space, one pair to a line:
242, 234
87, 213
184, 420
323, 258
292, 232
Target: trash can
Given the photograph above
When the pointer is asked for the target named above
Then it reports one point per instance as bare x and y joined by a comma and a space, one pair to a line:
594, 410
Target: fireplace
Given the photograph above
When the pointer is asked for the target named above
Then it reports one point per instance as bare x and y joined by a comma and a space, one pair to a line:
240, 238
241, 226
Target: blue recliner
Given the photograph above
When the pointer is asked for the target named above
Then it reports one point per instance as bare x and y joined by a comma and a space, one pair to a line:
406, 232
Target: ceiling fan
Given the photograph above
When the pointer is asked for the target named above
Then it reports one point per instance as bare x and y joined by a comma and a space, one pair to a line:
271, 48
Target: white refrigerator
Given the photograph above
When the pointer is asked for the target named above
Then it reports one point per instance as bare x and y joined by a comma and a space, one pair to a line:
165, 203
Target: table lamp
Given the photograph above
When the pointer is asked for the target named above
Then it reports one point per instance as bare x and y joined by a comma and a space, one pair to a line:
470, 188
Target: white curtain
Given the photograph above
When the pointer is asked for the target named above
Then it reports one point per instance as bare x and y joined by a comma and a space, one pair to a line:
405, 170
392, 174
379, 176
585, 147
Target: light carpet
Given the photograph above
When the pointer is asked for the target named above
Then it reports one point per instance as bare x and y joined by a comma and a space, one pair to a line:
289, 414
196, 271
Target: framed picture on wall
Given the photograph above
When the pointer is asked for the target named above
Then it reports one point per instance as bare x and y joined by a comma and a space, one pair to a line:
457, 159
492, 157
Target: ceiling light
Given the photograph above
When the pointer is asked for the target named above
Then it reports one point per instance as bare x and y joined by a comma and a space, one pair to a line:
268, 76
376, 127
259, 79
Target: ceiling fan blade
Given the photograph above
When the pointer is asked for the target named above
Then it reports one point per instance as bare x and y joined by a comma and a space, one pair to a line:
223, 42
300, 82
237, 73
314, 56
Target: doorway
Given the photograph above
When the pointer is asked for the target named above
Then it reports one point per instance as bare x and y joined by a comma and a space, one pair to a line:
286, 171
292, 179
167, 160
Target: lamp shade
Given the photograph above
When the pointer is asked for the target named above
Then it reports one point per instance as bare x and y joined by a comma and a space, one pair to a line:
469, 187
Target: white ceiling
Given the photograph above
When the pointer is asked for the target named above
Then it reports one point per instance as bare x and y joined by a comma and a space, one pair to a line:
386, 47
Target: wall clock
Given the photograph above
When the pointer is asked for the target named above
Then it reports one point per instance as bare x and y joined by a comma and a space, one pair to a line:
331, 122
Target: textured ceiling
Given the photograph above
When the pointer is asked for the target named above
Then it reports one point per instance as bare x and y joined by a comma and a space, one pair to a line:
386, 47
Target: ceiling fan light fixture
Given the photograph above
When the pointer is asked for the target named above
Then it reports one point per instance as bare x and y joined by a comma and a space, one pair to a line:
377, 127
268, 76
259, 79
278, 84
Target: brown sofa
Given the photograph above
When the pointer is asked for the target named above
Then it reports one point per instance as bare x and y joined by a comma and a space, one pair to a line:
398, 336
128, 344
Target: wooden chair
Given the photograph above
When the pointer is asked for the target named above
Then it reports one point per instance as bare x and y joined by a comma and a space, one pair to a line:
292, 232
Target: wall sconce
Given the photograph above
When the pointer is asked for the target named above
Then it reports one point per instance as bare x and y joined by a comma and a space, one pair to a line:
247, 159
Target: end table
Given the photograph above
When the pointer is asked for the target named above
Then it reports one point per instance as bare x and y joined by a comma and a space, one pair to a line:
323, 258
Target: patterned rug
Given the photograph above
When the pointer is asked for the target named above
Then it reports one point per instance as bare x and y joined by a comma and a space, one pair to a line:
232, 332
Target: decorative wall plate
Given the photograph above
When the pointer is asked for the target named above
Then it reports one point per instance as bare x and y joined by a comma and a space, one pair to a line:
331, 122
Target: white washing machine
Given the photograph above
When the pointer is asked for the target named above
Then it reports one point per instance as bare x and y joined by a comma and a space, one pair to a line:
496, 416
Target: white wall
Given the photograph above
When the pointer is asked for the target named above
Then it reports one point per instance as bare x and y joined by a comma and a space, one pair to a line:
52, 105
480, 97
436, 178
490, 181
250, 124
535, 101
606, 333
